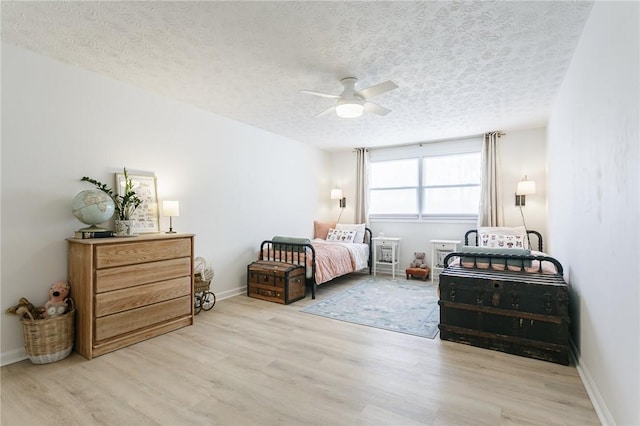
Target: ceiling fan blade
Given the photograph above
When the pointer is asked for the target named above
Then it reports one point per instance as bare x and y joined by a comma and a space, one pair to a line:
377, 89
375, 108
325, 112
322, 95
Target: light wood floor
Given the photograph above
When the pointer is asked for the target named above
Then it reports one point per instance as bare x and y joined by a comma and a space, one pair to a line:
250, 362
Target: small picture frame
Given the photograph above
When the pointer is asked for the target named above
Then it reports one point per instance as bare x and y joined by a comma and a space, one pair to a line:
146, 218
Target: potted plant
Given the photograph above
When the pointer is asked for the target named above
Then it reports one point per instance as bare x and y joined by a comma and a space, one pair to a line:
126, 204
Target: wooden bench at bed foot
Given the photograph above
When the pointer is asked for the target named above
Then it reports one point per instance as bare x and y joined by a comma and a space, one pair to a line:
418, 273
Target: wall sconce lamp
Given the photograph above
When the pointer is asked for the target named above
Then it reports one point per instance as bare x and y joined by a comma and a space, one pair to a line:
525, 187
171, 209
336, 194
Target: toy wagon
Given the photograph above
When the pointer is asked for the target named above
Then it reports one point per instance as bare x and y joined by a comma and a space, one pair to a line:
204, 298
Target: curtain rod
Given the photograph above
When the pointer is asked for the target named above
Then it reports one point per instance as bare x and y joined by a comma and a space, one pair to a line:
498, 133
426, 142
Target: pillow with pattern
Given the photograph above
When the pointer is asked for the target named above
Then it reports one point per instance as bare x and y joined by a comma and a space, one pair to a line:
503, 237
341, 235
358, 227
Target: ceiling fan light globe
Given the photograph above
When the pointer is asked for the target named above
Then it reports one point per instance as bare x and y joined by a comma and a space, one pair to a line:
349, 110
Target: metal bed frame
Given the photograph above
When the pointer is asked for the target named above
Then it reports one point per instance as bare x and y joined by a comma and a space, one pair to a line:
297, 254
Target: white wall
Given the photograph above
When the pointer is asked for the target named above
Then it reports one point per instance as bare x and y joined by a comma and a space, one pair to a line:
522, 152
594, 206
60, 123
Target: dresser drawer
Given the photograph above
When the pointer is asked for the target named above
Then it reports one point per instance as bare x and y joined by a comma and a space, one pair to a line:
143, 273
134, 319
142, 295
133, 253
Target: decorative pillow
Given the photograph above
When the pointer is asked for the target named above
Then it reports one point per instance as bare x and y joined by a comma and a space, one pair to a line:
321, 229
507, 238
341, 235
359, 228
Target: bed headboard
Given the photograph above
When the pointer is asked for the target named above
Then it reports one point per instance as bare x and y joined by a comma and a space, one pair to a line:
529, 233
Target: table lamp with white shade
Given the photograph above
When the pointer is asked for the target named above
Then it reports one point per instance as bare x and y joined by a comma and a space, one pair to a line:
171, 209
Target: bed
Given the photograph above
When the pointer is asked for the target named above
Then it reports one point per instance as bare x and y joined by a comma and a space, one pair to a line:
513, 300
323, 258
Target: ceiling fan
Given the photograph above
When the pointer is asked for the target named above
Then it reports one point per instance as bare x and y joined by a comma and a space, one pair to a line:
352, 103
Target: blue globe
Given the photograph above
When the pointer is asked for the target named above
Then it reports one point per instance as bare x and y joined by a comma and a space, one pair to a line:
92, 207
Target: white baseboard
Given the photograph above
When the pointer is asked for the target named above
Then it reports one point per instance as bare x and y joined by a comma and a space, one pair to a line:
12, 356
592, 390
230, 293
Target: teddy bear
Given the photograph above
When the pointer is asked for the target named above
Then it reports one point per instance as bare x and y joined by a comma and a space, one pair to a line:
57, 303
419, 260
24, 308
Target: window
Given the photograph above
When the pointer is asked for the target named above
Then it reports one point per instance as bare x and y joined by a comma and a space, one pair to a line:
433, 183
451, 185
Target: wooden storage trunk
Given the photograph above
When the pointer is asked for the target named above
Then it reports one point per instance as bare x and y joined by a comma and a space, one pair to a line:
276, 281
518, 313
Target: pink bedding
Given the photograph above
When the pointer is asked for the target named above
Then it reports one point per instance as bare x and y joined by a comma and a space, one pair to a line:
333, 259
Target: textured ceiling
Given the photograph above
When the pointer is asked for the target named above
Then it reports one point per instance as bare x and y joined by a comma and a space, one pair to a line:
463, 68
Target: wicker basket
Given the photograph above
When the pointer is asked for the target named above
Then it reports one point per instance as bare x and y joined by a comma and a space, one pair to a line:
49, 340
200, 284
202, 275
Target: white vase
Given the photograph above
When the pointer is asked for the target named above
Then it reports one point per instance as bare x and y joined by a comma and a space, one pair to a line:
124, 228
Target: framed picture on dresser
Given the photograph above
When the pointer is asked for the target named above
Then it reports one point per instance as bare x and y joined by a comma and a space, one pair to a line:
146, 218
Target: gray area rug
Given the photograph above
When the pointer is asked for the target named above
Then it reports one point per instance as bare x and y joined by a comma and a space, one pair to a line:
409, 307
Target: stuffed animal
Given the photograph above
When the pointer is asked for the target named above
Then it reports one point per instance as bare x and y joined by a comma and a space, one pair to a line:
418, 260
24, 308
57, 303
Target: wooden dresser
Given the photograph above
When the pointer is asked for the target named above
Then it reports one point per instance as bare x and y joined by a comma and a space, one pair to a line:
129, 289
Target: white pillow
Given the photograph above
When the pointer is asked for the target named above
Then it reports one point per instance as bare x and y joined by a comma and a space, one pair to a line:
341, 235
503, 237
359, 228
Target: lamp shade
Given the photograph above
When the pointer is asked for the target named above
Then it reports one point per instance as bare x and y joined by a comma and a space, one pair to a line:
526, 187
171, 208
336, 194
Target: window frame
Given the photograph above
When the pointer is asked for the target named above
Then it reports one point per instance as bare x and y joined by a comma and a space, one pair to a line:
421, 187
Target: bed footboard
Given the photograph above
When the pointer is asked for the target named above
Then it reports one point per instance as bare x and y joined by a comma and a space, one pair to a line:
503, 261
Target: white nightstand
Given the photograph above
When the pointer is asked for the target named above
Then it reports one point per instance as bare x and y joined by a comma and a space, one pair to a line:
386, 252
439, 250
